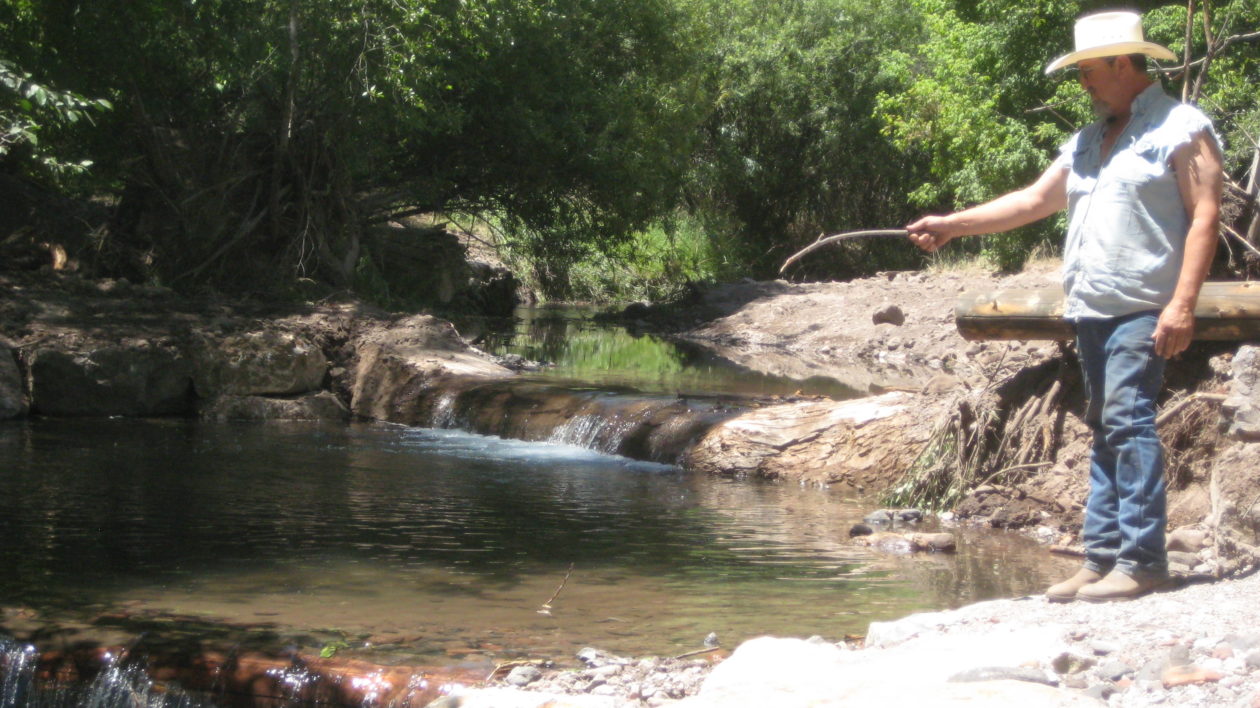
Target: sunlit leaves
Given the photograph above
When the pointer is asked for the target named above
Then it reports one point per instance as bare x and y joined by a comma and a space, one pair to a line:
28, 107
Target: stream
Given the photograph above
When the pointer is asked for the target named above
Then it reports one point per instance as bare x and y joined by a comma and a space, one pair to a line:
448, 547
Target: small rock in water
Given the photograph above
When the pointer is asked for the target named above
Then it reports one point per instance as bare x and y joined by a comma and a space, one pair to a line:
711, 640
523, 675
932, 541
593, 657
879, 517
909, 516
860, 530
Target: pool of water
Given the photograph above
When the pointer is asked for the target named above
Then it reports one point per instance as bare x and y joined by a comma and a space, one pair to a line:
446, 545
577, 348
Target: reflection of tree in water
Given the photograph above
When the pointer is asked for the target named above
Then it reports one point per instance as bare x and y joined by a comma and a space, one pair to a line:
581, 349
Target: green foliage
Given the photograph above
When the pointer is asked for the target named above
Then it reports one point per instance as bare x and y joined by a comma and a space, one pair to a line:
29, 108
271, 134
978, 108
623, 147
792, 146
655, 264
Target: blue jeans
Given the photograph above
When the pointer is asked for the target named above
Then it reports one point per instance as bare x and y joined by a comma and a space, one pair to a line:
1126, 513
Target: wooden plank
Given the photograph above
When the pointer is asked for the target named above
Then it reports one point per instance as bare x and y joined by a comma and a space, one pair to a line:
1226, 311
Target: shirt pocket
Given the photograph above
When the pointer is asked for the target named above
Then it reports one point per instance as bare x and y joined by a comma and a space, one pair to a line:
1138, 164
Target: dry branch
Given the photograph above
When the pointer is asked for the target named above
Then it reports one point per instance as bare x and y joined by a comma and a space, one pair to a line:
1170, 411
824, 240
546, 606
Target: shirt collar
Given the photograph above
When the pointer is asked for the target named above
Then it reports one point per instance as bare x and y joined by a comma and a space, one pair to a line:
1146, 100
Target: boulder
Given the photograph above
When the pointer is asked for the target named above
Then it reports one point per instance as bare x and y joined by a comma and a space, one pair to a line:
132, 378
770, 671
395, 364
863, 443
258, 363
1242, 405
322, 405
12, 404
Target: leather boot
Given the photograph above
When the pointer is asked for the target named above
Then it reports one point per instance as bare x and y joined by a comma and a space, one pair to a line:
1067, 590
1122, 586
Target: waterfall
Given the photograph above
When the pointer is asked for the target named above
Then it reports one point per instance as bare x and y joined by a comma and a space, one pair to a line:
115, 686
17, 672
656, 428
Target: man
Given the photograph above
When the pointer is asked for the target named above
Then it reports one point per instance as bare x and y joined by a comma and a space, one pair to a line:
1142, 187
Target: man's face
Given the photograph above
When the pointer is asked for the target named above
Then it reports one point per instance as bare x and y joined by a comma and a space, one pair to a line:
1101, 80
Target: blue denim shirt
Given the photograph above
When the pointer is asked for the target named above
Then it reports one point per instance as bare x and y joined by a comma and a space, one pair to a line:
1127, 222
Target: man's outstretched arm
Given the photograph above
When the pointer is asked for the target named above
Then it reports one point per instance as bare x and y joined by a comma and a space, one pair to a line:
1036, 201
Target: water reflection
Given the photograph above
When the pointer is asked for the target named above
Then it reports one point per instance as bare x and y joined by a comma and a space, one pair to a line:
584, 352
445, 543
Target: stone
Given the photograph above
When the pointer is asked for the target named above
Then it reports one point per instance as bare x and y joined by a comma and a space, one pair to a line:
1071, 663
886, 541
1241, 408
771, 671
1186, 675
258, 363
323, 405
503, 697
12, 403
394, 366
1187, 540
941, 542
909, 516
889, 314
860, 530
1114, 670
523, 675
594, 657
886, 634
1100, 691
1077, 681
1101, 648
1253, 659
879, 517
132, 378
999, 673
1181, 561
1243, 642
1179, 655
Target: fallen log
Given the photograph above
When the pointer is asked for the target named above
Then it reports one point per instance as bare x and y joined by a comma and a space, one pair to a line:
1226, 311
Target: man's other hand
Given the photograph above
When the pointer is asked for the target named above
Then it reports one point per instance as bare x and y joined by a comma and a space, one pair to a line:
1174, 331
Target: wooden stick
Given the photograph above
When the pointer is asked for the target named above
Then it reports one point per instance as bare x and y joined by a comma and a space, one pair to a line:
546, 606
823, 241
697, 652
1175, 408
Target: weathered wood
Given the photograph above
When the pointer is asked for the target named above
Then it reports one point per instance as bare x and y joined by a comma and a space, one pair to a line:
1226, 311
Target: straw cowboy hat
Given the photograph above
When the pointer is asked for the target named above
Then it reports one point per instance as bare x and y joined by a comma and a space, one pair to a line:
1110, 34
